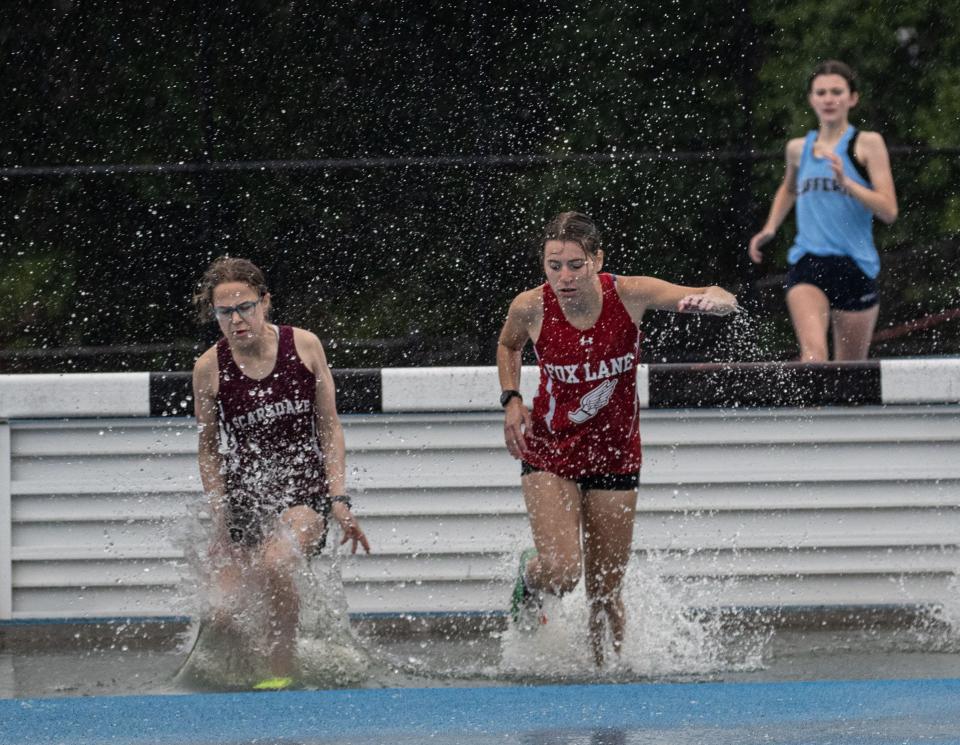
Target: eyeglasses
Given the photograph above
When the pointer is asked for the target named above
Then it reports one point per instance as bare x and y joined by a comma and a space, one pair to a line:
225, 312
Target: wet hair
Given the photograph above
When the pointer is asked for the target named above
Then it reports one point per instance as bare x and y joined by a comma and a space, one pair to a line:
226, 269
575, 227
834, 67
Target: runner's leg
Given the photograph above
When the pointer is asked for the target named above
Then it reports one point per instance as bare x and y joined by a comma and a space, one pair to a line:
608, 517
553, 504
810, 314
853, 332
298, 530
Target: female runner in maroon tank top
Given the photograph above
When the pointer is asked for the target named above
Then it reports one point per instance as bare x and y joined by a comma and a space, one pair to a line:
580, 445
271, 452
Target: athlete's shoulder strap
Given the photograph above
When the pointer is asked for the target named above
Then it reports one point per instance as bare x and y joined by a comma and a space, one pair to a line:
548, 296
224, 357
851, 146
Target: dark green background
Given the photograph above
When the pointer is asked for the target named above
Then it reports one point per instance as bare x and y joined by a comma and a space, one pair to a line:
413, 261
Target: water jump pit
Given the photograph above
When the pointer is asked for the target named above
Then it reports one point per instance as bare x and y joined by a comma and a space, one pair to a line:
857, 643
814, 675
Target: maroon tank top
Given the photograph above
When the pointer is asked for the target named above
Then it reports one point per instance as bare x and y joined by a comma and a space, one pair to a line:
268, 435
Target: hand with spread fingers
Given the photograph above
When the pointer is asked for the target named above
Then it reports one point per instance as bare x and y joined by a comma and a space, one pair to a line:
713, 304
836, 165
350, 528
516, 423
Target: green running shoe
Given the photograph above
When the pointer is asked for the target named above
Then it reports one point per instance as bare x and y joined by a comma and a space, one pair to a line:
273, 684
524, 602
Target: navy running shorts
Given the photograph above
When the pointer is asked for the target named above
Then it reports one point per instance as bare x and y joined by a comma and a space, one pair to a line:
842, 281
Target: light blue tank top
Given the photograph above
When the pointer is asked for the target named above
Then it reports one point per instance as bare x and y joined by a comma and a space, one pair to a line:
830, 222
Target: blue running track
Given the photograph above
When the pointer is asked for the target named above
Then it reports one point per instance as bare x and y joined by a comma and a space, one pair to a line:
834, 712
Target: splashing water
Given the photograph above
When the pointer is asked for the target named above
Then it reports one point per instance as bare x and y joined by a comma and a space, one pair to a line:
232, 655
747, 337
667, 636
936, 627
328, 653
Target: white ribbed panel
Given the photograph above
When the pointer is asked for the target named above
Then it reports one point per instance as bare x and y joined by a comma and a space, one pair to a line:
763, 507
6, 558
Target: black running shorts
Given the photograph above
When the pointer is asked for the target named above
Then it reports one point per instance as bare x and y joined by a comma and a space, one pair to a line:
842, 281
605, 481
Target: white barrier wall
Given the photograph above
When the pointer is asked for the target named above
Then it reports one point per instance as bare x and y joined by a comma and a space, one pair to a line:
840, 506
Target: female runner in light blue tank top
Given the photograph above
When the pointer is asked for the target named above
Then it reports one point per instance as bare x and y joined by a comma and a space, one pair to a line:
839, 179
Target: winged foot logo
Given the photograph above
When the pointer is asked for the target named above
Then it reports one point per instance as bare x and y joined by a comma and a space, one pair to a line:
592, 402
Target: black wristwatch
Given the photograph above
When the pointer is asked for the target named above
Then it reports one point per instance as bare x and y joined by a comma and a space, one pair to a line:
507, 395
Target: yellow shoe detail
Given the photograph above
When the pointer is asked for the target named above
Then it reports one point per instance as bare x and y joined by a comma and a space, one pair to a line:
273, 684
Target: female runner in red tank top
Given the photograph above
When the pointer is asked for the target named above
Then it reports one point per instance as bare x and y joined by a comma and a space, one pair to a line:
580, 445
271, 453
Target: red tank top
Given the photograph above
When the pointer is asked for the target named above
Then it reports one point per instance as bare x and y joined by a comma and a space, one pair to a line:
268, 434
586, 412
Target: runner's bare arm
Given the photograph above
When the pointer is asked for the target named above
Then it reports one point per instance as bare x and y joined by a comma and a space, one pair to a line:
882, 198
208, 454
331, 437
786, 196
783, 201
328, 421
513, 337
523, 321
640, 294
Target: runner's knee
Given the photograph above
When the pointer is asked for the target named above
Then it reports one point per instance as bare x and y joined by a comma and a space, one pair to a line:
280, 557
561, 573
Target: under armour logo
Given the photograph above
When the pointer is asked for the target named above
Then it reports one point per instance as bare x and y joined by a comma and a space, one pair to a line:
586, 341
